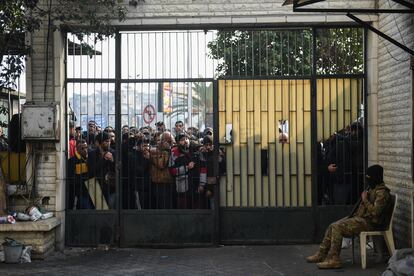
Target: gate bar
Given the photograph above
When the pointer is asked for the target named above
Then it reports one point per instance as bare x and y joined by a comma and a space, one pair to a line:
118, 134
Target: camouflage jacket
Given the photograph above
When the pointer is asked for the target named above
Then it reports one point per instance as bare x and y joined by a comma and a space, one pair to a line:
376, 207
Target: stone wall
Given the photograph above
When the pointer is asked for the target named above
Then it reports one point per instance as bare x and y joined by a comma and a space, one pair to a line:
395, 115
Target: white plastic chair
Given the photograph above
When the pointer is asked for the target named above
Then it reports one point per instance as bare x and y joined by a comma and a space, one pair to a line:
387, 234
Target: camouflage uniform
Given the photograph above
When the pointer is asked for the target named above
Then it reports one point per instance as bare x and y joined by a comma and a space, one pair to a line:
370, 215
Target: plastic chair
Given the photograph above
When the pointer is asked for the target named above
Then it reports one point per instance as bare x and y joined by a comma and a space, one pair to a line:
387, 234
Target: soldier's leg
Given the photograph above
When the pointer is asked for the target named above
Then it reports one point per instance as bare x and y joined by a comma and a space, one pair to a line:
324, 246
326, 243
346, 227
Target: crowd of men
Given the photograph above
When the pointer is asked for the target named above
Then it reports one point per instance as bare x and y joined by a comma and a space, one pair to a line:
160, 169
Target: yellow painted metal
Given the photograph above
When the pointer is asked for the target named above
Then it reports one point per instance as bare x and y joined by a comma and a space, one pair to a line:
254, 108
13, 166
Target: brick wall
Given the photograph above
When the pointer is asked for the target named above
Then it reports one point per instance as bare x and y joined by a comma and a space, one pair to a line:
395, 115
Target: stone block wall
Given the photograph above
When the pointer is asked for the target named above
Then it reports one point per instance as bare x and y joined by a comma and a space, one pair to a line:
395, 115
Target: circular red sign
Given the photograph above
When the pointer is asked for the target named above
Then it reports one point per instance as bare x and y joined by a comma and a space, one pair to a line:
149, 114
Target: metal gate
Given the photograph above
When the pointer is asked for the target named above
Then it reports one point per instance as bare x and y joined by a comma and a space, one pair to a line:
270, 96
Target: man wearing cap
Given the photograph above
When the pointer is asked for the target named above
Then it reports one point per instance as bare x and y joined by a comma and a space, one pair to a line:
372, 211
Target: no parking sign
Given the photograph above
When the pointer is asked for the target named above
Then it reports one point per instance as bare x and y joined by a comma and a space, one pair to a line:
149, 114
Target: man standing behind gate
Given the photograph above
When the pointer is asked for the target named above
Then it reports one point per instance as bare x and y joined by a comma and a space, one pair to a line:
372, 214
162, 182
79, 171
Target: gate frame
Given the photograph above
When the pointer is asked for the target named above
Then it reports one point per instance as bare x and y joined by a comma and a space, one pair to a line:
321, 215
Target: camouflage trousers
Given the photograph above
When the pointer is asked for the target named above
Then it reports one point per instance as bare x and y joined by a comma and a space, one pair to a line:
345, 227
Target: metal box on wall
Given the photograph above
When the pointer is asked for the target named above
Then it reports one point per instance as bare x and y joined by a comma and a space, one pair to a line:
40, 122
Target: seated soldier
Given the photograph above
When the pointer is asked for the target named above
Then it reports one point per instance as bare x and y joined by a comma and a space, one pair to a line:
373, 209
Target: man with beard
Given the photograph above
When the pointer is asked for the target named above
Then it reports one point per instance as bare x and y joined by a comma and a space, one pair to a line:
180, 166
162, 181
372, 213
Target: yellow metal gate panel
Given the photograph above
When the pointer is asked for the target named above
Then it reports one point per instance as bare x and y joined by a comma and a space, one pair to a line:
338, 104
254, 108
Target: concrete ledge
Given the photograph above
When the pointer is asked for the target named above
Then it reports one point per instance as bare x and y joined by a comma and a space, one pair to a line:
31, 226
40, 235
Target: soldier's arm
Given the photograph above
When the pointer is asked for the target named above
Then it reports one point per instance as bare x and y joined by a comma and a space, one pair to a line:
377, 207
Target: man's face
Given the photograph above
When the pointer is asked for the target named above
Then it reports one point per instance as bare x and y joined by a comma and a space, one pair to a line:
112, 137
208, 147
83, 150
91, 128
105, 144
72, 131
178, 127
184, 142
160, 127
125, 129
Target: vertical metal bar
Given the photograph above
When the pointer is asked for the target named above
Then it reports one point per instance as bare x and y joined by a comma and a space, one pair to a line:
281, 53
314, 136
259, 49
118, 190
283, 152
366, 105
252, 36
245, 54
289, 145
304, 149
238, 57
296, 139
267, 53
288, 52
216, 236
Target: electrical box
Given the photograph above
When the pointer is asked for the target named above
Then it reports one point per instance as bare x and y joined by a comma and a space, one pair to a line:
40, 122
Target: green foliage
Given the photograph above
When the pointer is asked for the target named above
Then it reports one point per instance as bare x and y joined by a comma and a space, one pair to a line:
287, 52
340, 51
4, 110
17, 17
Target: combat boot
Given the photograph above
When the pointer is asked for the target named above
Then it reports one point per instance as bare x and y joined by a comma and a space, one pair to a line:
330, 262
316, 258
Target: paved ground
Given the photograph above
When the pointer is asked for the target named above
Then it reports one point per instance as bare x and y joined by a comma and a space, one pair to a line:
223, 260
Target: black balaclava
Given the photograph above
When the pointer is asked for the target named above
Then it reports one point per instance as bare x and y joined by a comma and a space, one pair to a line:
374, 175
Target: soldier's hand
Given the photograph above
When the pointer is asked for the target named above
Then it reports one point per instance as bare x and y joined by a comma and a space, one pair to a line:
332, 168
364, 195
